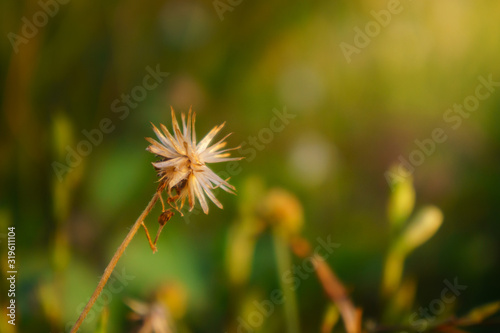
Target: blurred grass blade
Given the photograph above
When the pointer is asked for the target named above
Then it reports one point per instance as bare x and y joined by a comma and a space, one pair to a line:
103, 321
402, 300
284, 262
478, 314
393, 271
330, 319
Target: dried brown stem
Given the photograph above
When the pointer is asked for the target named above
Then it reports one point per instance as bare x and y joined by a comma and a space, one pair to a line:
158, 233
338, 294
332, 286
109, 269
153, 246
162, 203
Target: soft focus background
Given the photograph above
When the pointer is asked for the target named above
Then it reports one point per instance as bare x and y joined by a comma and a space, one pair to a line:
244, 62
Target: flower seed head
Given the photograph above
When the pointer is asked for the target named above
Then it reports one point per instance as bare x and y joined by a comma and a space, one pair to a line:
183, 164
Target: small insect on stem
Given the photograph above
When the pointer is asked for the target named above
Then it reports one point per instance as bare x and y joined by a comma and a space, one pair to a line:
165, 217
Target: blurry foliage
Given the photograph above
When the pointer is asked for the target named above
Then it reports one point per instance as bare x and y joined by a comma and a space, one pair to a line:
352, 123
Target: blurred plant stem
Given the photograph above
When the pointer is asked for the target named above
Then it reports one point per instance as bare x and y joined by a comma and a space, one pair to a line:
284, 262
393, 271
285, 216
418, 231
103, 323
114, 261
330, 319
401, 202
332, 286
338, 294
62, 191
242, 235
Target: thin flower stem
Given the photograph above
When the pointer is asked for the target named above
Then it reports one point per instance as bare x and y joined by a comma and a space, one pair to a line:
165, 216
114, 261
158, 233
153, 246
162, 203
284, 262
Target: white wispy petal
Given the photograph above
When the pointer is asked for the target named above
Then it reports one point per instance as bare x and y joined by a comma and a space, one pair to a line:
199, 194
160, 136
159, 149
169, 163
217, 181
208, 138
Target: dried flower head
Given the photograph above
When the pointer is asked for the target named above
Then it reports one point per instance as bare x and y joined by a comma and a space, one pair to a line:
169, 304
283, 210
155, 316
183, 165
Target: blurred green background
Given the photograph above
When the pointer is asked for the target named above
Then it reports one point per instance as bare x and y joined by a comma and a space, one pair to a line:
237, 62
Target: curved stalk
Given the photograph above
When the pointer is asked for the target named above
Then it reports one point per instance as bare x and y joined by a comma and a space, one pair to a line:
111, 266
